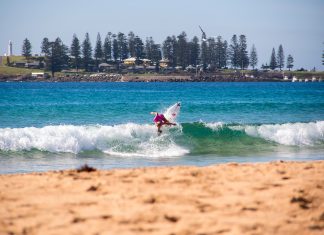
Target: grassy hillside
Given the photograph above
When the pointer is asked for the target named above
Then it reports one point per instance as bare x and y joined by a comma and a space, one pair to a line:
13, 59
5, 70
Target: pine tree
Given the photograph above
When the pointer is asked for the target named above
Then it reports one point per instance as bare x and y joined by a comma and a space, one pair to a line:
234, 52
138, 47
45, 47
280, 58
26, 49
75, 52
221, 53
224, 55
175, 47
107, 47
87, 52
98, 50
253, 57
168, 50
156, 53
57, 57
194, 51
182, 53
148, 47
152, 50
123, 47
290, 62
243, 58
218, 50
131, 44
211, 55
116, 52
273, 62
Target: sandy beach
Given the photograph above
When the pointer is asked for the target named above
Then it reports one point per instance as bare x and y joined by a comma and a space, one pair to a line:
262, 198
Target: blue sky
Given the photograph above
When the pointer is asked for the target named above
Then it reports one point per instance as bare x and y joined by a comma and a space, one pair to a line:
296, 24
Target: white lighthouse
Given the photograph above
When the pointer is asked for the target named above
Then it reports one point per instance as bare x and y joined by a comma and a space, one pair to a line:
10, 49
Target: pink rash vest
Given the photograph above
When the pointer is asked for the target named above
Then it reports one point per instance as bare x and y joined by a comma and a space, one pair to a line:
158, 118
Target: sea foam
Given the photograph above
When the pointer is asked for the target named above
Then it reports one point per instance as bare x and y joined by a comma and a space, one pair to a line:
122, 140
142, 140
298, 134
295, 134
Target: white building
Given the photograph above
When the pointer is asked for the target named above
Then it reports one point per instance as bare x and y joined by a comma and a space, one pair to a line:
9, 49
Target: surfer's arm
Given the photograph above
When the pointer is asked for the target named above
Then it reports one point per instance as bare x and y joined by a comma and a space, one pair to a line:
154, 113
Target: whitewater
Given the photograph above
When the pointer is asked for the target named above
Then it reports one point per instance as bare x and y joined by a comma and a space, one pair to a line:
50, 126
142, 140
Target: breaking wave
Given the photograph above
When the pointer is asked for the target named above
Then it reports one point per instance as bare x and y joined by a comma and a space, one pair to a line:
138, 140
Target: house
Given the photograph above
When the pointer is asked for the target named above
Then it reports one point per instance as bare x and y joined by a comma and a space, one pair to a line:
164, 63
130, 61
150, 69
146, 62
20, 64
136, 69
190, 68
33, 65
135, 61
104, 67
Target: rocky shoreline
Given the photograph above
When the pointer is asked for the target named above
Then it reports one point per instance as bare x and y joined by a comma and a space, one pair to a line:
208, 77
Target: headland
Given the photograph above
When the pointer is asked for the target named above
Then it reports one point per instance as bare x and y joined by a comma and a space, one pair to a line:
220, 76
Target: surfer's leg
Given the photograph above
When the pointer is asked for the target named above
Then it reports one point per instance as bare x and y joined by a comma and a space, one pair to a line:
159, 125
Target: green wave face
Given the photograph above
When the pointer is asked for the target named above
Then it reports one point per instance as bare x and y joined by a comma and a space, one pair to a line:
222, 141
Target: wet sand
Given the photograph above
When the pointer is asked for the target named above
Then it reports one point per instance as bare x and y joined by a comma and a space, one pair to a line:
264, 198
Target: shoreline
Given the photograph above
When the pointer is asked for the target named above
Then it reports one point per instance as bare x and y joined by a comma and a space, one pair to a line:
260, 198
176, 77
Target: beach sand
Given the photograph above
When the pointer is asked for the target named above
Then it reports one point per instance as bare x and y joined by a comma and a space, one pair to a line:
263, 198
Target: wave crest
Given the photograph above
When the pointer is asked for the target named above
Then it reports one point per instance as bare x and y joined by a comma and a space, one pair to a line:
135, 140
297, 134
125, 140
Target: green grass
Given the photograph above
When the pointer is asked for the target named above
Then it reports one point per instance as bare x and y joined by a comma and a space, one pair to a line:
5, 70
13, 59
306, 72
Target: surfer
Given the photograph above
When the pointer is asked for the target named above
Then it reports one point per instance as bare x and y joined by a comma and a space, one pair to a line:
160, 120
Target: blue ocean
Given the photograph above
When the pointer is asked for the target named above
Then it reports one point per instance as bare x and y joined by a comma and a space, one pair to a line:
53, 126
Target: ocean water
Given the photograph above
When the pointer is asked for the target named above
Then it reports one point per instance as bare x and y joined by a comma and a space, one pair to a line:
52, 126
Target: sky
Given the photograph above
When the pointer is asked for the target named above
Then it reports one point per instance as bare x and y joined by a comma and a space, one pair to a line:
296, 24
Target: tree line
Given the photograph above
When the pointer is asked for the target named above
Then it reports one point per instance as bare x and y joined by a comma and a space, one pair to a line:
209, 53
277, 60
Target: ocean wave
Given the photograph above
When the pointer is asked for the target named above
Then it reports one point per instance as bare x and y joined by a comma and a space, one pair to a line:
297, 134
140, 140
123, 140
293, 134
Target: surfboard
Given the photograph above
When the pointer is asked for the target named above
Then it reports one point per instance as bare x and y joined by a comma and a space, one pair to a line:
172, 112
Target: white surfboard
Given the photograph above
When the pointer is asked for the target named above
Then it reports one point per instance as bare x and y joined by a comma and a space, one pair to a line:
172, 112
